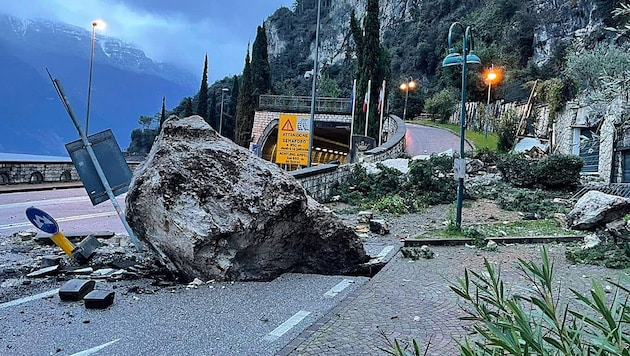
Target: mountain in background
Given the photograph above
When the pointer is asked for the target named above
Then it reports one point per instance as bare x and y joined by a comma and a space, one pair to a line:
125, 85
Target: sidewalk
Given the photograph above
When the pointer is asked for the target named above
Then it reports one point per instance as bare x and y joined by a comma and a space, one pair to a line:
12, 188
412, 299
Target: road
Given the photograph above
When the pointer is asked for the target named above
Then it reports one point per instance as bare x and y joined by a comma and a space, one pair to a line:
218, 318
427, 140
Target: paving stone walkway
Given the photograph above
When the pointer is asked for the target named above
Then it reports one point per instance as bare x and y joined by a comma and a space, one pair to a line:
412, 299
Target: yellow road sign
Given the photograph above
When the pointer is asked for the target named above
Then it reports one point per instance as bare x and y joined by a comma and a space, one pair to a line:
293, 140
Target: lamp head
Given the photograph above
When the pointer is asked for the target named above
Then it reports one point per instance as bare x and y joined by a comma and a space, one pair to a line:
99, 24
472, 58
452, 59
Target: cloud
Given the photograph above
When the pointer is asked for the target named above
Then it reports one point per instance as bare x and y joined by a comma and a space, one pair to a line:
167, 31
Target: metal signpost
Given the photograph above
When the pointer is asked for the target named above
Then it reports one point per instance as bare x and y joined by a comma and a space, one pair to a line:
95, 162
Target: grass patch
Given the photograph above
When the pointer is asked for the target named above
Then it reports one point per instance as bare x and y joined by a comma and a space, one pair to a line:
479, 139
524, 228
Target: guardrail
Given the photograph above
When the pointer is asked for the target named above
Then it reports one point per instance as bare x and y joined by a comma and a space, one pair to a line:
287, 103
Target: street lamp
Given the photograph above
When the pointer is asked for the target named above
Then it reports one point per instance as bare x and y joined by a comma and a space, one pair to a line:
223, 91
452, 59
491, 76
100, 24
314, 87
406, 87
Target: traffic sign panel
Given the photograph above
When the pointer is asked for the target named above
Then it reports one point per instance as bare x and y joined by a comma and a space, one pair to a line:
293, 140
42, 220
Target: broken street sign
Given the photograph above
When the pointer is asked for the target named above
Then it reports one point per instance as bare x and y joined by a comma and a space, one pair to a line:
42, 220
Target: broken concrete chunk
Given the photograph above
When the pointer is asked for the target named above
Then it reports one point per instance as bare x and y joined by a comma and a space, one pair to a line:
379, 227
210, 209
51, 260
364, 217
46, 271
596, 208
75, 289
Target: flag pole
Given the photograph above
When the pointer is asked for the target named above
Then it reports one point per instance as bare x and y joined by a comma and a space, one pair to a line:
381, 103
353, 105
367, 112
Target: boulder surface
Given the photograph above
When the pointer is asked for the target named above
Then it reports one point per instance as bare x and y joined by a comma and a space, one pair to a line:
597, 209
210, 209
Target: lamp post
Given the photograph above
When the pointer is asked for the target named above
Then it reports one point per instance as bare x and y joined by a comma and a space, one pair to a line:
314, 88
101, 25
453, 59
490, 77
223, 91
406, 86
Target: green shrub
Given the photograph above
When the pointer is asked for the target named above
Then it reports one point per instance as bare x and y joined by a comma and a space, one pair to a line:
533, 322
559, 171
486, 155
529, 201
604, 254
393, 204
441, 105
507, 131
517, 170
432, 180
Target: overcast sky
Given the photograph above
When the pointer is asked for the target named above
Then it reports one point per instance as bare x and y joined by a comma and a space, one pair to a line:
176, 31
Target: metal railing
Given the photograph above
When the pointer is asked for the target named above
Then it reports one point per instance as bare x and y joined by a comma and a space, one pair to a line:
303, 104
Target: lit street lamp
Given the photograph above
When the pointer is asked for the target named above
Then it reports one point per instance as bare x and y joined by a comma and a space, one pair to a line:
223, 91
406, 87
452, 59
491, 76
100, 24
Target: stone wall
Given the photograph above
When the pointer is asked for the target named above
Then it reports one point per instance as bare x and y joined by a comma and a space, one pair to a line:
37, 172
319, 180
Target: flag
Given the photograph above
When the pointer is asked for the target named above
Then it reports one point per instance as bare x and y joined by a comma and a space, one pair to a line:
366, 101
381, 99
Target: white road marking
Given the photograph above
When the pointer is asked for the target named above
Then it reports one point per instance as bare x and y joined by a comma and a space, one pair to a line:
287, 325
68, 218
95, 349
45, 202
28, 299
385, 251
338, 288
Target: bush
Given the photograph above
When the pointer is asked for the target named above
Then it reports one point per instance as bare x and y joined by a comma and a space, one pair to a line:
517, 169
554, 171
507, 131
441, 105
533, 322
432, 180
559, 171
393, 204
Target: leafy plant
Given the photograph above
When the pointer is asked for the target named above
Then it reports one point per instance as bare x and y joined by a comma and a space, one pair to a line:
398, 348
393, 204
533, 322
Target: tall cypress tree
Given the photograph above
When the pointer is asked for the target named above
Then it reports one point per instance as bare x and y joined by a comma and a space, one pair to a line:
162, 114
202, 97
212, 112
261, 72
372, 64
245, 107
229, 125
188, 109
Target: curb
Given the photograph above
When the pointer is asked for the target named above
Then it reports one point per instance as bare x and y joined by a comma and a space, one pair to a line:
504, 240
16, 188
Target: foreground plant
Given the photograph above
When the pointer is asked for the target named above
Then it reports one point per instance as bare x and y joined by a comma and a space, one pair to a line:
534, 323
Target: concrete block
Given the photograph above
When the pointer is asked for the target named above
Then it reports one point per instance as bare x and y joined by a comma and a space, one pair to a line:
47, 271
84, 251
99, 299
76, 289
51, 260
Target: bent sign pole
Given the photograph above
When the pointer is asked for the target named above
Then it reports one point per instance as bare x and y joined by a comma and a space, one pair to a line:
97, 166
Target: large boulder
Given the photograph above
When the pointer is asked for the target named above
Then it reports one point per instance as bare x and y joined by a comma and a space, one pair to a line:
596, 209
212, 210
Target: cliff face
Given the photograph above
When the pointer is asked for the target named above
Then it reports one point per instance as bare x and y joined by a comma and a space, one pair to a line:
415, 32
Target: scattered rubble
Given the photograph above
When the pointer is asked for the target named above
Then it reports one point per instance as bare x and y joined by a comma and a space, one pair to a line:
416, 253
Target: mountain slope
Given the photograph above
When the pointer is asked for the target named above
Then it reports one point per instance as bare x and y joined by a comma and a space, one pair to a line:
125, 85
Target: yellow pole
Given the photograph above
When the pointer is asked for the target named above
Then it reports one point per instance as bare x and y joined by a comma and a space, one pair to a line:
63, 243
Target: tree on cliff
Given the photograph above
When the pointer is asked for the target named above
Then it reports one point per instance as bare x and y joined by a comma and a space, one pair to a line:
202, 97
261, 72
372, 64
245, 107
229, 111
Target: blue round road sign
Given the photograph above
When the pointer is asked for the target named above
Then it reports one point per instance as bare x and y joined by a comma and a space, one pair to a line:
42, 220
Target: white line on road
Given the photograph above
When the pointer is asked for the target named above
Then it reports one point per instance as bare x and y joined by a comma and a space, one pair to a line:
28, 299
69, 218
385, 251
45, 202
95, 349
287, 325
338, 288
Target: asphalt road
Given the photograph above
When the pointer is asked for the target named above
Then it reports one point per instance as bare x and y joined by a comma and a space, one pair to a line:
245, 318
427, 140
